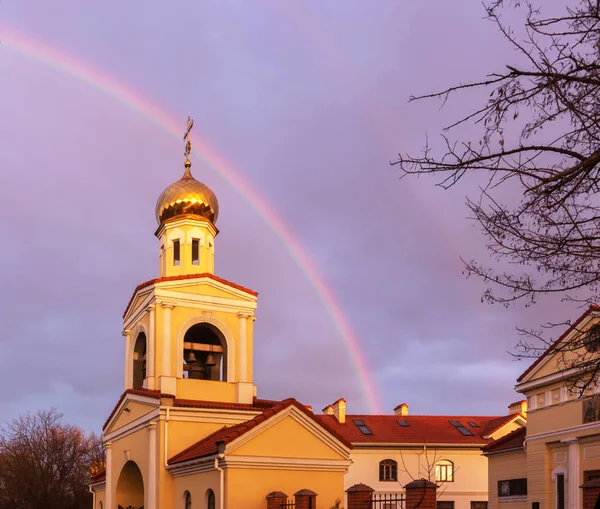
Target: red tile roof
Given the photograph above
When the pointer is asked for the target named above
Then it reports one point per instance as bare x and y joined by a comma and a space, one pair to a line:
138, 392
495, 424
421, 429
210, 444
98, 477
513, 440
593, 307
187, 276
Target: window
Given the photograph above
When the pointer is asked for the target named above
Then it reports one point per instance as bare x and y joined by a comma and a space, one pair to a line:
176, 252
445, 504
388, 470
473, 425
99, 505
591, 340
403, 423
512, 488
210, 499
362, 427
188, 500
139, 361
479, 505
195, 252
560, 491
444, 471
461, 428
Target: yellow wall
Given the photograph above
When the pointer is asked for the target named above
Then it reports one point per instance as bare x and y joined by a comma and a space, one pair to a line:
99, 498
275, 442
205, 390
554, 417
505, 430
503, 467
197, 485
136, 410
247, 488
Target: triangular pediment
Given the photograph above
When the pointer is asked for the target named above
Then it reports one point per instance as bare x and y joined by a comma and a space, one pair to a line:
289, 434
567, 353
130, 410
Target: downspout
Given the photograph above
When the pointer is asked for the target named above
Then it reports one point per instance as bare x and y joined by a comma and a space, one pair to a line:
221, 455
93, 497
166, 436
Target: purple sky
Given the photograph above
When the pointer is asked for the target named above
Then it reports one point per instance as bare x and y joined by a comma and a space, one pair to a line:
308, 101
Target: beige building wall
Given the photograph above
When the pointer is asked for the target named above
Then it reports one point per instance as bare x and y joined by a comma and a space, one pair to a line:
503, 467
470, 471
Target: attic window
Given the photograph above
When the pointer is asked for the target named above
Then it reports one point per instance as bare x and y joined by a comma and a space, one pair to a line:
403, 423
362, 427
461, 429
473, 424
176, 252
195, 252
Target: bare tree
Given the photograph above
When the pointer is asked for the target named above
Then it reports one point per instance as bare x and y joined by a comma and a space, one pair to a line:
535, 156
45, 463
428, 460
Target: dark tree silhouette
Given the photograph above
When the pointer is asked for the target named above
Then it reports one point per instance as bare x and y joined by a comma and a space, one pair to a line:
535, 155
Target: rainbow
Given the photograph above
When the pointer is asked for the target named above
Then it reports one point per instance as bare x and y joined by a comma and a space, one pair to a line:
100, 80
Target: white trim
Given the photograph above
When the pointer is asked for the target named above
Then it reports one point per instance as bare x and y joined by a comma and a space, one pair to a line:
145, 296
559, 376
301, 418
524, 385
275, 463
516, 498
194, 466
206, 302
560, 470
133, 426
240, 297
131, 397
221, 327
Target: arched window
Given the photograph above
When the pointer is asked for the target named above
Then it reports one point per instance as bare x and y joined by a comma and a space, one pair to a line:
100, 505
139, 361
204, 353
388, 470
188, 500
210, 499
444, 471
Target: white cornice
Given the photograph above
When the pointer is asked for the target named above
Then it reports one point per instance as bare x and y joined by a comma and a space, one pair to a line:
134, 314
99, 486
195, 466
524, 385
549, 379
397, 445
135, 425
152, 402
205, 301
277, 463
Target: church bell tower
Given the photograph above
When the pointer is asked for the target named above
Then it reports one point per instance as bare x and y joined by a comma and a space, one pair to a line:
188, 333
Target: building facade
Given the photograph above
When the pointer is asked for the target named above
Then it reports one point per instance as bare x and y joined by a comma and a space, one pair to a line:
554, 462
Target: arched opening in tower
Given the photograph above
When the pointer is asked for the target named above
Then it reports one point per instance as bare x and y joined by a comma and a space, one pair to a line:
204, 353
139, 361
130, 487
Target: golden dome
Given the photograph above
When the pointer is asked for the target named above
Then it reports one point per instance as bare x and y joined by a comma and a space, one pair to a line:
187, 196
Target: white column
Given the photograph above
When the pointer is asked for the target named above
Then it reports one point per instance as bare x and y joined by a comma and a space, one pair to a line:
574, 474
242, 352
128, 359
152, 468
150, 362
168, 383
166, 339
109, 485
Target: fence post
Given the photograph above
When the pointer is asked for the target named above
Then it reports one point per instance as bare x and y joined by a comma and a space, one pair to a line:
421, 494
305, 499
275, 499
359, 496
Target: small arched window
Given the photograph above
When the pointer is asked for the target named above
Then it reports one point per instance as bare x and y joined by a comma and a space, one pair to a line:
388, 470
210, 499
100, 506
444, 471
188, 500
204, 353
139, 361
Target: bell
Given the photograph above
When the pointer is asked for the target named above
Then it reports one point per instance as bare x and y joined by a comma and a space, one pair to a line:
210, 360
191, 357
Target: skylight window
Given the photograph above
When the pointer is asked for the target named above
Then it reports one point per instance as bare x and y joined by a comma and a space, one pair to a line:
362, 427
461, 429
403, 423
473, 424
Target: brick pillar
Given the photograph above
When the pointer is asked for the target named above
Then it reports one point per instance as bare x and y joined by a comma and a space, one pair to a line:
421, 494
275, 499
591, 491
305, 499
359, 496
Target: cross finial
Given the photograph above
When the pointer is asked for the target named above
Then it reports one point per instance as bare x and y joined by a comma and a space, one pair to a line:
188, 143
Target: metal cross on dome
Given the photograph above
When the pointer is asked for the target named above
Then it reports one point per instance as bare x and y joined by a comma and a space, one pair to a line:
186, 138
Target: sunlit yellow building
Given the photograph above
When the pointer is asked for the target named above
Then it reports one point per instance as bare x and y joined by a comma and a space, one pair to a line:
555, 462
189, 430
